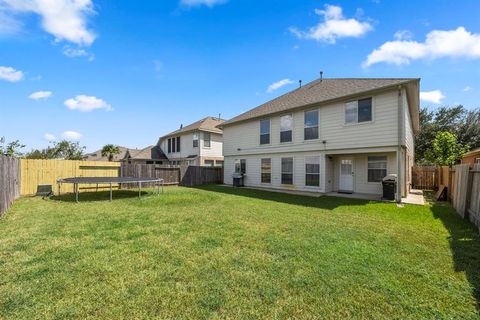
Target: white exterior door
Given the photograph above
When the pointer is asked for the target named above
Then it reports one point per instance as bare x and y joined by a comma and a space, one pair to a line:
346, 175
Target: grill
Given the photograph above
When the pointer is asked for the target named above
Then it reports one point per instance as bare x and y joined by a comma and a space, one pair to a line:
389, 186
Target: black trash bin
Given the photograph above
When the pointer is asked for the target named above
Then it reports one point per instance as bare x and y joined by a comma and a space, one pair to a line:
237, 180
389, 185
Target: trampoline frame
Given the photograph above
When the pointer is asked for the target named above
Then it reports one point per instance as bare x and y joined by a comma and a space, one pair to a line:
109, 181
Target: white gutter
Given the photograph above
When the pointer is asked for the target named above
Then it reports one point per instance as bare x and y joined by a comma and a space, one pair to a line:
398, 196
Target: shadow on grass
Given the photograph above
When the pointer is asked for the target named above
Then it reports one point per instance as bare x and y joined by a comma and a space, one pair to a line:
321, 202
98, 196
464, 244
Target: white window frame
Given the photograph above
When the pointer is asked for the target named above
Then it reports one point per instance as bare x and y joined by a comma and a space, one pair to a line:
356, 122
318, 125
376, 161
308, 160
269, 132
284, 172
209, 140
195, 137
291, 129
261, 170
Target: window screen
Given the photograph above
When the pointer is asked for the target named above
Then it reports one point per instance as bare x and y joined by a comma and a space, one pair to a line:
311, 125
265, 131
377, 168
287, 170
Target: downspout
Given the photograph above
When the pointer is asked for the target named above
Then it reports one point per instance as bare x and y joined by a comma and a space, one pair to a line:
398, 196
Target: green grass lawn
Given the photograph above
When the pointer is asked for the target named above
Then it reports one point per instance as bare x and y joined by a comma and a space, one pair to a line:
218, 252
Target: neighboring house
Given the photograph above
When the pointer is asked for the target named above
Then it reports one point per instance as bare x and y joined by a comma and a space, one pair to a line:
471, 157
148, 155
331, 135
97, 155
198, 144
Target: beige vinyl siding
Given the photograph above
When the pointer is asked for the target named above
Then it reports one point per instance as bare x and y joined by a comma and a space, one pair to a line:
253, 173
186, 147
216, 146
382, 131
360, 169
409, 136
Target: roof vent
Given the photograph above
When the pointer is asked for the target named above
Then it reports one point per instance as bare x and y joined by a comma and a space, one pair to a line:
300, 83
181, 126
321, 76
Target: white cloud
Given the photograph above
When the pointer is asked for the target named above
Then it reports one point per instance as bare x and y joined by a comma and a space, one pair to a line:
64, 19
49, 137
8, 24
71, 135
277, 85
10, 74
86, 103
467, 88
77, 52
403, 35
435, 96
334, 26
197, 3
40, 95
438, 44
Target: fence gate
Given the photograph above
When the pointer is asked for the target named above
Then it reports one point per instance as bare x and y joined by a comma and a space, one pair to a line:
424, 178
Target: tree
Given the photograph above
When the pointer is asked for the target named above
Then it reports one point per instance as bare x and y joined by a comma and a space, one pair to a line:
445, 150
110, 150
457, 120
59, 150
11, 149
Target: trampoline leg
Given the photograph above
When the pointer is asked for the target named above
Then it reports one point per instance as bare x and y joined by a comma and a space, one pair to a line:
110, 192
59, 188
97, 188
75, 186
139, 190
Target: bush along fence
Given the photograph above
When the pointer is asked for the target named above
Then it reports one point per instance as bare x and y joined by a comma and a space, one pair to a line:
9, 182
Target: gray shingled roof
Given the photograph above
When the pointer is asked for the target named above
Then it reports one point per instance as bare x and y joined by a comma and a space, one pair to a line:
206, 124
319, 91
150, 152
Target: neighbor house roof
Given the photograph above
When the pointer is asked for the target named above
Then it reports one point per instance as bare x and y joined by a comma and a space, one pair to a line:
206, 124
150, 152
328, 90
472, 152
97, 155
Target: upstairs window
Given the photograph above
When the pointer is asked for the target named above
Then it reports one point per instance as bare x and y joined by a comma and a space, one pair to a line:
286, 126
377, 168
206, 140
174, 145
178, 144
265, 131
358, 111
311, 125
195, 139
169, 145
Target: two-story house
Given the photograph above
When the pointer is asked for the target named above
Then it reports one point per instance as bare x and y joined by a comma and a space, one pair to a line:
331, 135
197, 144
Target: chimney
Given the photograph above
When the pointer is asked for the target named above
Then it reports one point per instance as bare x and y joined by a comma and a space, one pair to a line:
300, 83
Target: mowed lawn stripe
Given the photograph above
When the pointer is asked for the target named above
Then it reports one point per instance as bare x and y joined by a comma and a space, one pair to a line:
219, 252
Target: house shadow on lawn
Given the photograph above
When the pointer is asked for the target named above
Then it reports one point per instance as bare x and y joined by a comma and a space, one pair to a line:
464, 242
98, 196
321, 202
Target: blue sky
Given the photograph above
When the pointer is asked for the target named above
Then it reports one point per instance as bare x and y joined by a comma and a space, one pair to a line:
127, 72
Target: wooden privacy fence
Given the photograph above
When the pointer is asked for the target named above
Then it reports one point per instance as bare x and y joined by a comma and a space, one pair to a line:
195, 175
9, 182
35, 172
184, 175
168, 174
425, 178
464, 191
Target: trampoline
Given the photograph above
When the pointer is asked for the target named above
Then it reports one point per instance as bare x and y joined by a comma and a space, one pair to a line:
111, 181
